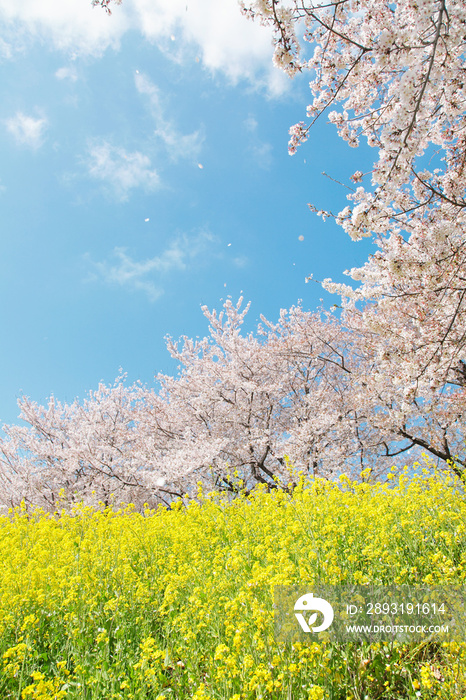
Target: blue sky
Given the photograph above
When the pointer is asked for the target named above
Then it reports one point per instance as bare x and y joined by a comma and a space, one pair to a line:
144, 173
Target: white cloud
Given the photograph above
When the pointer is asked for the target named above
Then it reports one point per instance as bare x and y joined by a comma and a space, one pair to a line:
121, 170
227, 40
178, 145
73, 25
215, 30
123, 271
27, 130
67, 73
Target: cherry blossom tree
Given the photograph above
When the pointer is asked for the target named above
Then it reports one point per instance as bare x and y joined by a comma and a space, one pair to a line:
397, 69
303, 394
322, 394
393, 73
90, 451
240, 407
245, 397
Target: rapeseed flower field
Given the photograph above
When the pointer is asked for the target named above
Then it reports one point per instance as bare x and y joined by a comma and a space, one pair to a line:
113, 604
